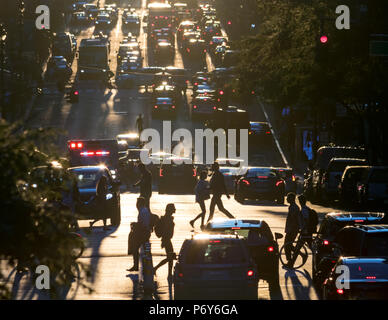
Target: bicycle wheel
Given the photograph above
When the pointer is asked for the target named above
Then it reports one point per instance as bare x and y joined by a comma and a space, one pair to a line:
299, 260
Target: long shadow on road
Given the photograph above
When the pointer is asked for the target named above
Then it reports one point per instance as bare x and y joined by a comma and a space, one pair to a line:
300, 291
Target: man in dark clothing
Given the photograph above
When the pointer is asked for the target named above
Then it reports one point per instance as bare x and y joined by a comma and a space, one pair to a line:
292, 223
142, 232
218, 187
167, 222
139, 123
145, 184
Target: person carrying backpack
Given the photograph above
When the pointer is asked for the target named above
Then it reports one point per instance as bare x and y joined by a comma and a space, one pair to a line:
165, 229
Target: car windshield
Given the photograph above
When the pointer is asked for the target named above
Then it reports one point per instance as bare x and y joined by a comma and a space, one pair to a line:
257, 173
373, 270
215, 252
87, 179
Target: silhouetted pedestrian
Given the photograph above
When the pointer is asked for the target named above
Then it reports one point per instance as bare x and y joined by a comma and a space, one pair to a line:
167, 225
99, 202
218, 187
202, 193
145, 184
292, 223
142, 231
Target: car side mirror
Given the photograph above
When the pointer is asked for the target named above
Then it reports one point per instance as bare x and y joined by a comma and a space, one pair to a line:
278, 236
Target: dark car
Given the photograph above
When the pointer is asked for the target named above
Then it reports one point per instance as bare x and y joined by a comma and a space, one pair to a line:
215, 267
313, 178
347, 188
87, 178
196, 49
202, 106
80, 18
103, 21
259, 131
332, 177
164, 106
131, 20
164, 52
262, 183
176, 174
368, 279
372, 190
263, 247
217, 41
63, 45
322, 246
287, 174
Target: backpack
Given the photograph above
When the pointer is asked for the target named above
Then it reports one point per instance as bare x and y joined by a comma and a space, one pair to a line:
313, 220
154, 221
159, 226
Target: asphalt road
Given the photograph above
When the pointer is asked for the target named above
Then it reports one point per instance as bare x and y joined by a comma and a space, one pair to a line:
104, 113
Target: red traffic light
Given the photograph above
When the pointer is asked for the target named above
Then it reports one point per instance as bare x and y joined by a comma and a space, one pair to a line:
323, 39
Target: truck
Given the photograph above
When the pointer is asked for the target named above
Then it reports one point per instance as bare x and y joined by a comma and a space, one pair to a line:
93, 59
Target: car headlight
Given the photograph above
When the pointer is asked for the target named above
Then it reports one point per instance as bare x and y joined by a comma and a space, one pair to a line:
109, 196
113, 171
108, 22
96, 22
82, 71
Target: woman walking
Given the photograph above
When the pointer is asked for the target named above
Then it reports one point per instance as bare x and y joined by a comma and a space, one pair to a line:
202, 193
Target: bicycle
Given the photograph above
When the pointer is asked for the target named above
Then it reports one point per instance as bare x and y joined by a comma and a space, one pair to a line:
299, 252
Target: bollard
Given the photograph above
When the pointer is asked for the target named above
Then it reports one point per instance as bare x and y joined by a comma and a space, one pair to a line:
146, 274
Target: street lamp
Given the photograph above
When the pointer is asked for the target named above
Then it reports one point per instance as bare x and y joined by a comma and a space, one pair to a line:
3, 37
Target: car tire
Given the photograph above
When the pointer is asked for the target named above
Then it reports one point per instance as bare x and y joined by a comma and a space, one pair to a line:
280, 199
115, 219
238, 198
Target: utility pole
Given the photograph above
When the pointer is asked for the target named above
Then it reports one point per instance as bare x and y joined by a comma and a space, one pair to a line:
3, 37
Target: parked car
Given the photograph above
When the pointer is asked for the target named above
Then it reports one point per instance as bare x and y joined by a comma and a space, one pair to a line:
262, 245
372, 190
322, 246
215, 267
347, 188
332, 177
368, 279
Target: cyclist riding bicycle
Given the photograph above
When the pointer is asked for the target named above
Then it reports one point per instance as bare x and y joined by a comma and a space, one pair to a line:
308, 222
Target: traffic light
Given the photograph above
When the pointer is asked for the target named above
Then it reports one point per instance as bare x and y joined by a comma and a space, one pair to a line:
322, 49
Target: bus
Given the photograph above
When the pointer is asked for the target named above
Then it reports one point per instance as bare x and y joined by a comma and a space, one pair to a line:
93, 59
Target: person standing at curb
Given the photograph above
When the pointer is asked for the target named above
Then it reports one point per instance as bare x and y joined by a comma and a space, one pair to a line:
141, 232
165, 228
145, 184
202, 193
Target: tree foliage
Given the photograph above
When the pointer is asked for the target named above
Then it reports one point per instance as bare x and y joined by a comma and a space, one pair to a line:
33, 229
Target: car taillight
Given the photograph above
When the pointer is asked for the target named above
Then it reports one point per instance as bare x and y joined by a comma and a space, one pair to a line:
326, 242
214, 108
173, 107
270, 249
72, 145
340, 291
194, 172
76, 93
279, 183
250, 273
246, 182
370, 277
161, 172
180, 275
195, 107
268, 132
293, 178
221, 92
188, 50
156, 107
358, 220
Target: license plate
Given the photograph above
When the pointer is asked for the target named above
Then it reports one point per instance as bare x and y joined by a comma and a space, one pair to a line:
214, 275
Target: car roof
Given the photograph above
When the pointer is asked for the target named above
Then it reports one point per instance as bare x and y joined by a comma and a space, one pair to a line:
88, 168
347, 159
372, 228
206, 236
353, 216
221, 223
356, 260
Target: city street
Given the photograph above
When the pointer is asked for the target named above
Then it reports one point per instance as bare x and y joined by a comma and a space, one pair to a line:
105, 111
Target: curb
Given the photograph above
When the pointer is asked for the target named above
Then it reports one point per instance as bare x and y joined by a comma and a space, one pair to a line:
273, 132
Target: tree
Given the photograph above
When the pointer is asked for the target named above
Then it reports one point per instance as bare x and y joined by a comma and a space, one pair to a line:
33, 230
287, 65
